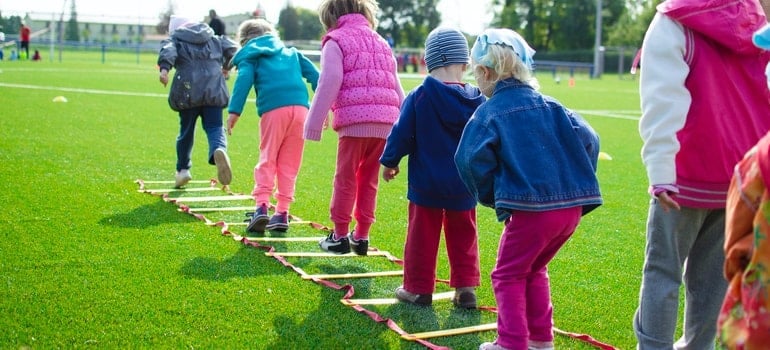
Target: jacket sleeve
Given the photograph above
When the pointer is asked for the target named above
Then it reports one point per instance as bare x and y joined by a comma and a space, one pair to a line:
329, 84
401, 140
167, 54
229, 48
665, 100
243, 83
588, 137
309, 71
476, 160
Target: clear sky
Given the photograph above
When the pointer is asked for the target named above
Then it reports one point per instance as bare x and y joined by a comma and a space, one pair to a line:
470, 15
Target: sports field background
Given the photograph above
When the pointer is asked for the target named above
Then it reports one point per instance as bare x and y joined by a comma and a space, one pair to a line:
86, 260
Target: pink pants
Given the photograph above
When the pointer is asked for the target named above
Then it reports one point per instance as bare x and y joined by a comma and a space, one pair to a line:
280, 155
355, 184
422, 243
520, 278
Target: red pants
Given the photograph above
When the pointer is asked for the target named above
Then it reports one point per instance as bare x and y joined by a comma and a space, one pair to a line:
422, 243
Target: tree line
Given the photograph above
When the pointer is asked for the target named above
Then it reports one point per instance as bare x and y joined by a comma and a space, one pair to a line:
548, 25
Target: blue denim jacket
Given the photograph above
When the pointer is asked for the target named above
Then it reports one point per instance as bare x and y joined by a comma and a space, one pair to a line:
522, 150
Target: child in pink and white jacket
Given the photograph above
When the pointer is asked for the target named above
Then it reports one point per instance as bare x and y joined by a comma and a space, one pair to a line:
360, 85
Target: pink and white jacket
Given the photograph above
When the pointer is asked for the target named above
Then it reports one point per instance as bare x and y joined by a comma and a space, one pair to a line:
704, 97
358, 82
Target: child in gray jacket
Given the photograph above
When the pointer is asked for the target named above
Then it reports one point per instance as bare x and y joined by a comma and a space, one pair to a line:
198, 89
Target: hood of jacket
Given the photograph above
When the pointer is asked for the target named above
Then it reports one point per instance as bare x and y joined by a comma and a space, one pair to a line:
265, 45
197, 33
461, 99
730, 23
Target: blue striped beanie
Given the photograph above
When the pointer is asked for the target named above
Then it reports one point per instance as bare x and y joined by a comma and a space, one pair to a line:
445, 46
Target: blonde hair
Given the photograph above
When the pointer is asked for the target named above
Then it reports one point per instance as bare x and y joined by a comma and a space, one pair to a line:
506, 64
329, 11
252, 28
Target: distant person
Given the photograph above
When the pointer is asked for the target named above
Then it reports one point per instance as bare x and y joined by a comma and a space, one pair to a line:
197, 90
216, 23
744, 322
365, 96
428, 130
534, 161
277, 74
391, 42
697, 122
14, 55
36, 56
24, 33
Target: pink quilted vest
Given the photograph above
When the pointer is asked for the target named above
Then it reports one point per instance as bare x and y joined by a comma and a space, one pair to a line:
369, 88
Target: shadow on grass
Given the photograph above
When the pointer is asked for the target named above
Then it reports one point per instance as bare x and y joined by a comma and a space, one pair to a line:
247, 262
332, 325
148, 215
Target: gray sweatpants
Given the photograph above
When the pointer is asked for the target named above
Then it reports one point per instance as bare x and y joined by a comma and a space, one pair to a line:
682, 246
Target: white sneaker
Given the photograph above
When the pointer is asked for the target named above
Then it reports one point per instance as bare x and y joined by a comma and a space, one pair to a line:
182, 178
491, 346
224, 173
539, 345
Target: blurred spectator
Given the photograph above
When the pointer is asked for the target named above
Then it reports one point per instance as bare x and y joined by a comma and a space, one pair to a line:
216, 23
24, 33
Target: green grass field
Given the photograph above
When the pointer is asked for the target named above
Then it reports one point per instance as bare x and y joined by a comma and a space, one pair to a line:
88, 261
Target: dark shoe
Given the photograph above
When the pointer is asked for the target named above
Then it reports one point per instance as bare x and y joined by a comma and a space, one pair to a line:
339, 246
416, 299
222, 161
465, 298
258, 220
279, 222
360, 247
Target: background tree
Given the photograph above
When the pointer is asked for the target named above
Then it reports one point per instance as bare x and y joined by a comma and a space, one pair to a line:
557, 24
71, 32
410, 21
629, 30
310, 28
288, 23
165, 18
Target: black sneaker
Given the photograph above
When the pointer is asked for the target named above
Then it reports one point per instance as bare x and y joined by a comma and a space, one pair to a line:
258, 220
278, 222
411, 298
339, 246
360, 246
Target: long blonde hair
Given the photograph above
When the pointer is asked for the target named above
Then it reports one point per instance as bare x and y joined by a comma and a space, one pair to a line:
329, 11
252, 28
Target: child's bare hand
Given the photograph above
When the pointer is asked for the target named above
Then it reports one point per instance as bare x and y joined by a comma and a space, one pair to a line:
389, 173
231, 120
164, 77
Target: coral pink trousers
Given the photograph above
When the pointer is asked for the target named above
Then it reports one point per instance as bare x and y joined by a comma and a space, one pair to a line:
280, 155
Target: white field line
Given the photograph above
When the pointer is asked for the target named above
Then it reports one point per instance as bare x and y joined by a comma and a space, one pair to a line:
618, 114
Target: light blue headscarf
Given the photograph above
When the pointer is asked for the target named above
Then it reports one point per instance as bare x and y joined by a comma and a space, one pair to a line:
762, 37
505, 37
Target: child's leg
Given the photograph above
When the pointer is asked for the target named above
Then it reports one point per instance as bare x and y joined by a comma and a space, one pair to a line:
367, 181
344, 191
290, 157
421, 248
215, 133
519, 279
186, 137
272, 128
462, 247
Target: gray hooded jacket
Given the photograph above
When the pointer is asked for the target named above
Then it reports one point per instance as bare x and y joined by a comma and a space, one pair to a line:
198, 57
